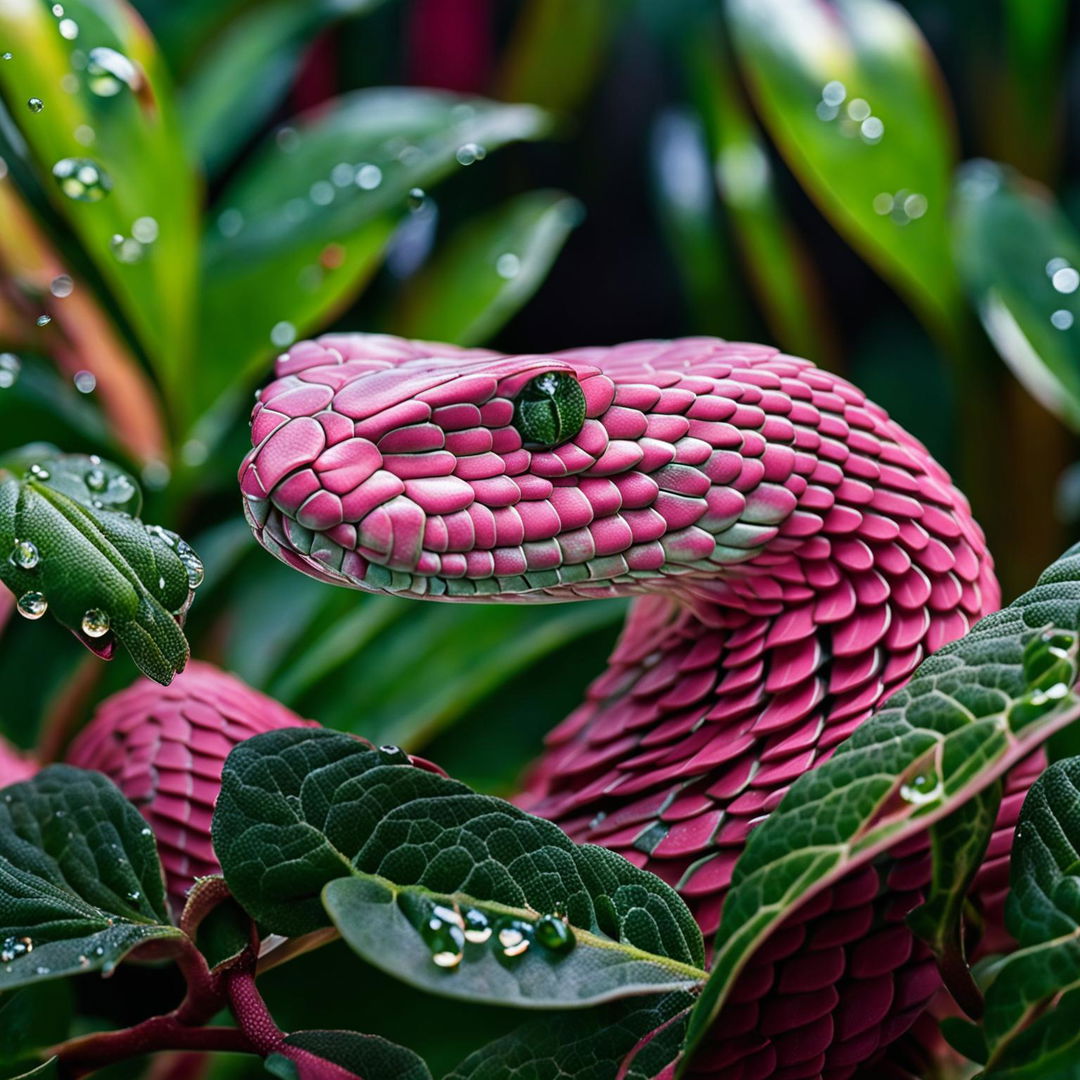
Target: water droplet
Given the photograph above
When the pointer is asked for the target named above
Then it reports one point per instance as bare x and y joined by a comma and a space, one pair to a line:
41, 970
467, 153
10, 366
39, 472
923, 788
145, 230
477, 927
514, 936
85, 135
126, 248
35, 104
95, 623
146, 832
283, 334
25, 554
415, 198
82, 179
108, 72
32, 605
394, 755
287, 139
84, 961
552, 933
99, 951
833, 93
507, 265
1061, 319
58, 10
1065, 279
85, 382
230, 222
69, 29
872, 129
368, 177
96, 480
443, 932
858, 109
61, 286
43, 320
194, 452
134, 895
321, 193
5, 56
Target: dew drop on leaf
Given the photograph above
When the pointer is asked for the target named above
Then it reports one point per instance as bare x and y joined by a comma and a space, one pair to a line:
95, 623
82, 179
477, 927
32, 605
25, 554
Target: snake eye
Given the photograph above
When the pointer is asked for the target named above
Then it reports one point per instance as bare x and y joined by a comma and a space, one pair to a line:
550, 410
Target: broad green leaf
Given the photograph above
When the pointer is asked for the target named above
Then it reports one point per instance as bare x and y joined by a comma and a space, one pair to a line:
1018, 255
1043, 914
47, 1070
629, 1040
487, 270
780, 270
108, 135
970, 712
366, 1056
456, 892
74, 546
958, 843
80, 880
32, 1019
247, 70
308, 217
849, 92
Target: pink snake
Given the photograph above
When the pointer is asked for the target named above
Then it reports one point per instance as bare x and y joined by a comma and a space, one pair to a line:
796, 554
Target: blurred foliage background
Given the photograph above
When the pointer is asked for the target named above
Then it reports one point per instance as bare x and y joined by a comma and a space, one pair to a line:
185, 189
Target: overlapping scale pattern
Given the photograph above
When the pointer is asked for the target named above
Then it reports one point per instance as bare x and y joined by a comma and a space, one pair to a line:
164, 746
797, 554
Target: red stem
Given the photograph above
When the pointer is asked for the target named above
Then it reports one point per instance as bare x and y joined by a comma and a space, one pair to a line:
252, 1014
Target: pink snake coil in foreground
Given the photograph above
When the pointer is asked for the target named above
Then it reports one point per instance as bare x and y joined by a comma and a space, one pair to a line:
796, 554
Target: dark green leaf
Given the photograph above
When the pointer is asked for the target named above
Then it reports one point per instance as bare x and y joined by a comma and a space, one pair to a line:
402, 856
368, 1056
1018, 254
71, 544
971, 711
80, 880
308, 218
488, 270
632, 1041
32, 1019
850, 94
221, 928
130, 135
958, 843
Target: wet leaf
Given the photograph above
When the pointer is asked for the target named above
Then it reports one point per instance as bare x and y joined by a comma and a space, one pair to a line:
852, 98
80, 880
1019, 257
487, 270
108, 151
455, 892
971, 711
308, 218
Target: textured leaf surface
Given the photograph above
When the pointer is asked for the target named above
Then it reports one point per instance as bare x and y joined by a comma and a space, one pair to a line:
80, 880
632, 1041
1018, 253
1043, 914
278, 255
89, 552
488, 270
368, 1056
850, 94
136, 143
401, 854
970, 712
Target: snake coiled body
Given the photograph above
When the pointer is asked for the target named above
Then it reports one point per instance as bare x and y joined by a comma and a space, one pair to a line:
796, 554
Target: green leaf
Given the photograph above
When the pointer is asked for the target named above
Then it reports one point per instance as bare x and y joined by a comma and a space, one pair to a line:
80, 880
1017, 254
71, 543
128, 132
958, 843
247, 70
970, 712
296, 236
366, 1056
819, 72
1043, 914
446, 889
488, 270
32, 1019
220, 927
633, 1041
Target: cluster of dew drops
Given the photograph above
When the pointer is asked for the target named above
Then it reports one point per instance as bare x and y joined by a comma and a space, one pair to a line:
95, 623
448, 929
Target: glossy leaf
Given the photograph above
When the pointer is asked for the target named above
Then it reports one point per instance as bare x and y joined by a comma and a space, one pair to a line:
1018, 255
971, 711
80, 880
366, 1056
402, 856
852, 98
72, 545
630, 1040
307, 219
488, 270
128, 133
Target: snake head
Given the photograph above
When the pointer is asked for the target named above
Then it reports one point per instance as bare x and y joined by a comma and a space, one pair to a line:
426, 470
